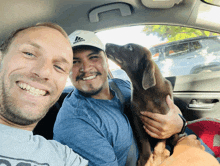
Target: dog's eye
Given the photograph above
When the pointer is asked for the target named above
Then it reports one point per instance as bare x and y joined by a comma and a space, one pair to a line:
130, 47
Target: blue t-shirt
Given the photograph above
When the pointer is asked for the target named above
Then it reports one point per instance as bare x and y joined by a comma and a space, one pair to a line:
96, 129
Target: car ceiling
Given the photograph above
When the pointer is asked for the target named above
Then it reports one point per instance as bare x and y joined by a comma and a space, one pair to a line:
77, 14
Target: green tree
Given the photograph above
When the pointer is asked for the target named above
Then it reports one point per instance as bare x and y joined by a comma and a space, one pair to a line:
174, 33
209, 1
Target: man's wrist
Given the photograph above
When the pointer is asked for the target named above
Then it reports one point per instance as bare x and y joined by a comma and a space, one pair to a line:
184, 124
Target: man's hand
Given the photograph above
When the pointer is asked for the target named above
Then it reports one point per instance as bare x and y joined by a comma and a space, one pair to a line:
163, 126
159, 155
190, 140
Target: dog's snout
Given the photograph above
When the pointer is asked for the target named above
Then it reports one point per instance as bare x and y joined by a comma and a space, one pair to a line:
111, 47
112, 50
107, 45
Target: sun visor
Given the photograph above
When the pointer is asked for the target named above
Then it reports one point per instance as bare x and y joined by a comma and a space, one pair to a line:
161, 4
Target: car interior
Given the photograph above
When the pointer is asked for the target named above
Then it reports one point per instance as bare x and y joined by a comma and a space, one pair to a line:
197, 95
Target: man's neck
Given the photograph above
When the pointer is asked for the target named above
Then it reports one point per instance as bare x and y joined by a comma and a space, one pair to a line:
105, 94
11, 124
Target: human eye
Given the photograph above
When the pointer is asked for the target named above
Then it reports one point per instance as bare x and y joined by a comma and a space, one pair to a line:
29, 54
75, 62
94, 57
59, 68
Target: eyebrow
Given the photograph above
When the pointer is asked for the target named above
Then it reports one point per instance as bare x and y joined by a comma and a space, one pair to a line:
92, 53
61, 59
35, 45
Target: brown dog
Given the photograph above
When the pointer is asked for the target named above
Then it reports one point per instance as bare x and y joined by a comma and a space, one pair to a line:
149, 90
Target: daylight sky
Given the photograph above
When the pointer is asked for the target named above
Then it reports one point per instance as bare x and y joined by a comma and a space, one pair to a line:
125, 35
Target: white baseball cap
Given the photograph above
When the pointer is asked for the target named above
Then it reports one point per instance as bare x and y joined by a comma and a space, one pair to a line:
88, 38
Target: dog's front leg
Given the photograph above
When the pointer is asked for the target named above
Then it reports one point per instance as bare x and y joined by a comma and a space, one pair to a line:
143, 143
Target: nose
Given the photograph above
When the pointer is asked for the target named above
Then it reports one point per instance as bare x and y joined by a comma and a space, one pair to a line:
42, 69
85, 66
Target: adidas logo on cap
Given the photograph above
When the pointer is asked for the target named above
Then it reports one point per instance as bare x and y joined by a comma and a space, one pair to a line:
78, 39
86, 38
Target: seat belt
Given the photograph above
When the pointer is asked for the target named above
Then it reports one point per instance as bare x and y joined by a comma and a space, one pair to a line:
132, 153
114, 86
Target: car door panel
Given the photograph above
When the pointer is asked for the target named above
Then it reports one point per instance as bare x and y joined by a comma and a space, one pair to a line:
197, 95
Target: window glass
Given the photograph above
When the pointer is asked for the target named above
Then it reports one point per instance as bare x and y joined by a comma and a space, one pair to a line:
176, 50
155, 53
195, 45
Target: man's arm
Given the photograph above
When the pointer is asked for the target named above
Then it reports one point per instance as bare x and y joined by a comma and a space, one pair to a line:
163, 126
74, 159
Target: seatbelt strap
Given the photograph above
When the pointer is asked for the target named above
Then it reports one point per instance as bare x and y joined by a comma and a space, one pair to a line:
132, 153
114, 86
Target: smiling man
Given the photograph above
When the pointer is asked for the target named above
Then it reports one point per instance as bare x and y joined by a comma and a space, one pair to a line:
91, 78
35, 64
91, 120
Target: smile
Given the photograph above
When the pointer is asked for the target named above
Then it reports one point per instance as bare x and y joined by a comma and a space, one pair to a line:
32, 90
89, 78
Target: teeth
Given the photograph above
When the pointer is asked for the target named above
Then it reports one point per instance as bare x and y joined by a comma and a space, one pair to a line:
28, 87
32, 90
24, 86
89, 78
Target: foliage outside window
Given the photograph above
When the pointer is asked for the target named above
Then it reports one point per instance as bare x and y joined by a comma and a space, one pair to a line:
175, 33
213, 2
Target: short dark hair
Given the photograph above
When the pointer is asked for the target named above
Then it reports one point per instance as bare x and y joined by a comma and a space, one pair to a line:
6, 43
85, 48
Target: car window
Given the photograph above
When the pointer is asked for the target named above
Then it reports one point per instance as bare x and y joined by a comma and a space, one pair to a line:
68, 82
195, 46
176, 50
155, 53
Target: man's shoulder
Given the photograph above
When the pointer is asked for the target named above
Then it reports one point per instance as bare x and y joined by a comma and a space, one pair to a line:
73, 100
120, 82
54, 146
51, 143
73, 107
124, 86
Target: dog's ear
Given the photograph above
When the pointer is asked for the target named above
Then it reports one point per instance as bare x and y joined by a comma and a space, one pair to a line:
149, 79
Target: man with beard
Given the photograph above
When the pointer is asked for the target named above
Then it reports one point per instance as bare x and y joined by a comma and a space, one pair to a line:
91, 120
35, 64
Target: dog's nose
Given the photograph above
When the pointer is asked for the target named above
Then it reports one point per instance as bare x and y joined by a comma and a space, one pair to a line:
110, 48
110, 45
